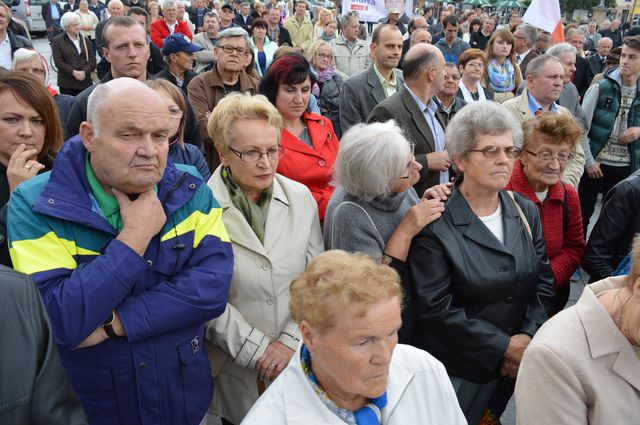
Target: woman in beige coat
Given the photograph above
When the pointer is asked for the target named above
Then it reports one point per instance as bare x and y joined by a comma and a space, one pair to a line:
583, 365
275, 231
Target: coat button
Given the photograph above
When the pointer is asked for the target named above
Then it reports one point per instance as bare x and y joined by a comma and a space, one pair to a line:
150, 263
192, 186
142, 365
270, 301
322, 163
51, 201
272, 335
264, 267
509, 299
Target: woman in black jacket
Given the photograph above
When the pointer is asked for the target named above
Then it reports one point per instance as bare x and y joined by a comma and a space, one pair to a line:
479, 278
73, 55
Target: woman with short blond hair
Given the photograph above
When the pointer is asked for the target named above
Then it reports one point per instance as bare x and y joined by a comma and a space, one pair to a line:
274, 230
350, 368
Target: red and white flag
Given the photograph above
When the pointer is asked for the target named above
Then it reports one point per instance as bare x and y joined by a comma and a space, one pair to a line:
545, 14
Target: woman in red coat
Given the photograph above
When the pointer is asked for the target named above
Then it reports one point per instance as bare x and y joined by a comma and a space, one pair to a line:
548, 145
310, 143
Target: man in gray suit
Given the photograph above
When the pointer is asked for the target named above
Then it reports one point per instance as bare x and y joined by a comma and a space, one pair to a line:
414, 110
363, 91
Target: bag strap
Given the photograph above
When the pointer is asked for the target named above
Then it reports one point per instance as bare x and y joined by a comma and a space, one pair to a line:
521, 214
333, 221
86, 49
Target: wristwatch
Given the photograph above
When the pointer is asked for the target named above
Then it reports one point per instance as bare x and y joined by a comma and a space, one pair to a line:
107, 325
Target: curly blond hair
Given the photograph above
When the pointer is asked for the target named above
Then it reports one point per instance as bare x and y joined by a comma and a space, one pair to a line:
335, 280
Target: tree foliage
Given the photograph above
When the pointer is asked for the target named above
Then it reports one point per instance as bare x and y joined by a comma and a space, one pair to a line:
571, 5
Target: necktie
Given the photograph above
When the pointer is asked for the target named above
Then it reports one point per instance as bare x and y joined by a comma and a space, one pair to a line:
518, 59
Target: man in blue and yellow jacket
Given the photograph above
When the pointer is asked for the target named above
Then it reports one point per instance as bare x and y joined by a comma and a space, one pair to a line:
131, 257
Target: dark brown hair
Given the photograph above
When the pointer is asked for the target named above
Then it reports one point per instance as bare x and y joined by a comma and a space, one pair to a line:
30, 92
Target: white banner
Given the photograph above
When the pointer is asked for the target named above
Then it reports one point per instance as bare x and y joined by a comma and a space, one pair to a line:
374, 10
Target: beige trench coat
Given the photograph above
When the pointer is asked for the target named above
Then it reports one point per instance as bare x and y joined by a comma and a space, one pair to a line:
258, 308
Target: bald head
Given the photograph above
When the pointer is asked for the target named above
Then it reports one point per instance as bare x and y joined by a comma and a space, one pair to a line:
420, 57
420, 36
110, 96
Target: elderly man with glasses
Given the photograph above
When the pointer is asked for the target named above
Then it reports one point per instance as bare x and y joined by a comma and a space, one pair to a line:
227, 76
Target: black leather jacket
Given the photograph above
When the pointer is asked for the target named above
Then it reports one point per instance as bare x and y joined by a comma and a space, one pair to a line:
470, 293
611, 237
33, 385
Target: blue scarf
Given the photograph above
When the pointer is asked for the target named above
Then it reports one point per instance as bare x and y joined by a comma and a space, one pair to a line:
502, 78
371, 414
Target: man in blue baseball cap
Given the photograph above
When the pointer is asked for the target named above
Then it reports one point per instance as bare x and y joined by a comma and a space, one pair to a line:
178, 52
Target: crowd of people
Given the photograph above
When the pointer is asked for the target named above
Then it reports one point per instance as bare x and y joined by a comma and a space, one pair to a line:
167, 204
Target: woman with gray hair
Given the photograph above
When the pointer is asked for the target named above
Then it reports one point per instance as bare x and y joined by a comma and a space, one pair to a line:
73, 55
479, 279
375, 209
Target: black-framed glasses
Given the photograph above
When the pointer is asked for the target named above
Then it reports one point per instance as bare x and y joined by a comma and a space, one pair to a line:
227, 48
511, 152
548, 157
254, 155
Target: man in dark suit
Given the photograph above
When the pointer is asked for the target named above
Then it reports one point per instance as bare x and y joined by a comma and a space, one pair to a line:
244, 18
363, 91
525, 38
196, 15
414, 110
582, 75
598, 61
72, 6
51, 13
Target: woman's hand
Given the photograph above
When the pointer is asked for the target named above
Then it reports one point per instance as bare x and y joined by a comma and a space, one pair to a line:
439, 191
273, 361
418, 216
516, 348
22, 166
79, 75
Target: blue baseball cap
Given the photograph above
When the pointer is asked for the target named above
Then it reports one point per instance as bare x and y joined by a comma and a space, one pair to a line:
179, 43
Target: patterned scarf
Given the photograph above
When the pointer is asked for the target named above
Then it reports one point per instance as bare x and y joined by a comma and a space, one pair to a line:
502, 78
371, 414
323, 76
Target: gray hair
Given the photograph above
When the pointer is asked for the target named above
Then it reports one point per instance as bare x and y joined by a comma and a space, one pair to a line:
476, 119
557, 50
169, 3
530, 32
604, 39
346, 19
94, 105
211, 15
536, 66
69, 18
115, 3
233, 32
370, 158
573, 31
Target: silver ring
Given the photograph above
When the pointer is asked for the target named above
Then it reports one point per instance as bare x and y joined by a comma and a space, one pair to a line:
273, 365
28, 167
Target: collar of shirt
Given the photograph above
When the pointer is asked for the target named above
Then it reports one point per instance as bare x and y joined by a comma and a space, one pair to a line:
389, 86
523, 55
171, 28
421, 105
535, 107
5, 52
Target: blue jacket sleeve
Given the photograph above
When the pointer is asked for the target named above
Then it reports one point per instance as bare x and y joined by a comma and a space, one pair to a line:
196, 294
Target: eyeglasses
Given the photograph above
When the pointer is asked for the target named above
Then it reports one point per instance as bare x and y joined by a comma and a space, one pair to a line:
409, 166
255, 155
548, 157
511, 152
230, 49
175, 113
324, 55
